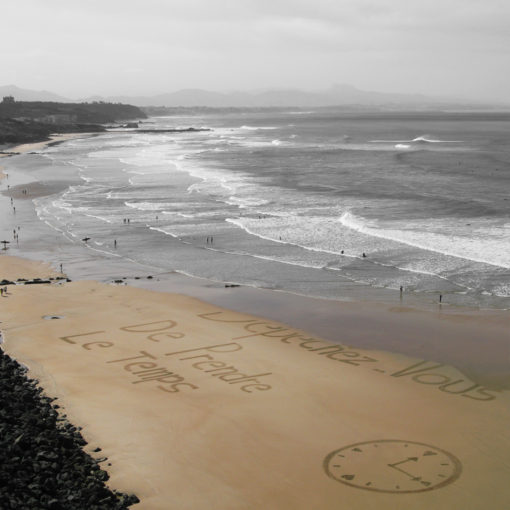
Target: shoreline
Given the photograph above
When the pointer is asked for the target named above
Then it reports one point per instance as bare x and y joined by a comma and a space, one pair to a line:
22, 148
282, 305
136, 369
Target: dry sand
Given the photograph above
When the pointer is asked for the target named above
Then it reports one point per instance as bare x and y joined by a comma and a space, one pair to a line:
199, 407
12, 268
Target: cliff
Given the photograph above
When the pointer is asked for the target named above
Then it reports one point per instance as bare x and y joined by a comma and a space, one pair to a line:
29, 121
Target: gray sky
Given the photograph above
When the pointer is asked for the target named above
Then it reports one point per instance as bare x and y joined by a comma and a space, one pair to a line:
80, 48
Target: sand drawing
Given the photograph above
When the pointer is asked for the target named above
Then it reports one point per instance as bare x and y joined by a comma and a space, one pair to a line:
392, 465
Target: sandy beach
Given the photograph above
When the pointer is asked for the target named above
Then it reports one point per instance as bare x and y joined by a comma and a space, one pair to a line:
199, 407
255, 255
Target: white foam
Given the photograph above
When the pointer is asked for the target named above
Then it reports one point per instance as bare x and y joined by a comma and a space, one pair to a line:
246, 202
258, 128
418, 139
151, 206
485, 249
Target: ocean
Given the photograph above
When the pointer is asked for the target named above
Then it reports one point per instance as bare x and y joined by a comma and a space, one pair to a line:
321, 203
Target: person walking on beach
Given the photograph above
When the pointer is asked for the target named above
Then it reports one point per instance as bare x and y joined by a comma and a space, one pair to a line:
115, 243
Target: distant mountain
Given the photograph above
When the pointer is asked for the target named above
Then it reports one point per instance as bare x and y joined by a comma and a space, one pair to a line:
30, 95
338, 95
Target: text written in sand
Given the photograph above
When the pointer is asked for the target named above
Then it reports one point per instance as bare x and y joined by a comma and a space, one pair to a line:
148, 367
423, 372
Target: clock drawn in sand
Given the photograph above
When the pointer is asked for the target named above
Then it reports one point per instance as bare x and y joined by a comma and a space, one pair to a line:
392, 465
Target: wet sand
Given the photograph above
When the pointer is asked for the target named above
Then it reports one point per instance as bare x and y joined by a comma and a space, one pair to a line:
200, 407
477, 342
29, 147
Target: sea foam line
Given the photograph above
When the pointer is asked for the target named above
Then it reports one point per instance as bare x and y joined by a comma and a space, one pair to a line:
350, 221
338, 254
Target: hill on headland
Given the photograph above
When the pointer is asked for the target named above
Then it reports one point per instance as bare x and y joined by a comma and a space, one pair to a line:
28, 121
55, 113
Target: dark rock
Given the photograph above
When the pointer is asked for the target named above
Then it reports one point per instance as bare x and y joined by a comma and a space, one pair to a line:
42, 463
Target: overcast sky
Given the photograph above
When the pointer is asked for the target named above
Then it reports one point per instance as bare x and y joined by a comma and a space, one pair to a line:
79, 48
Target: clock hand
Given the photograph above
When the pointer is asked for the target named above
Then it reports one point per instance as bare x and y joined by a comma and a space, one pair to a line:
395, 464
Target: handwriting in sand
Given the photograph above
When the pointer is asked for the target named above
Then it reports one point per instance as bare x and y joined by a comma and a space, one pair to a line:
423, 372
145, 366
